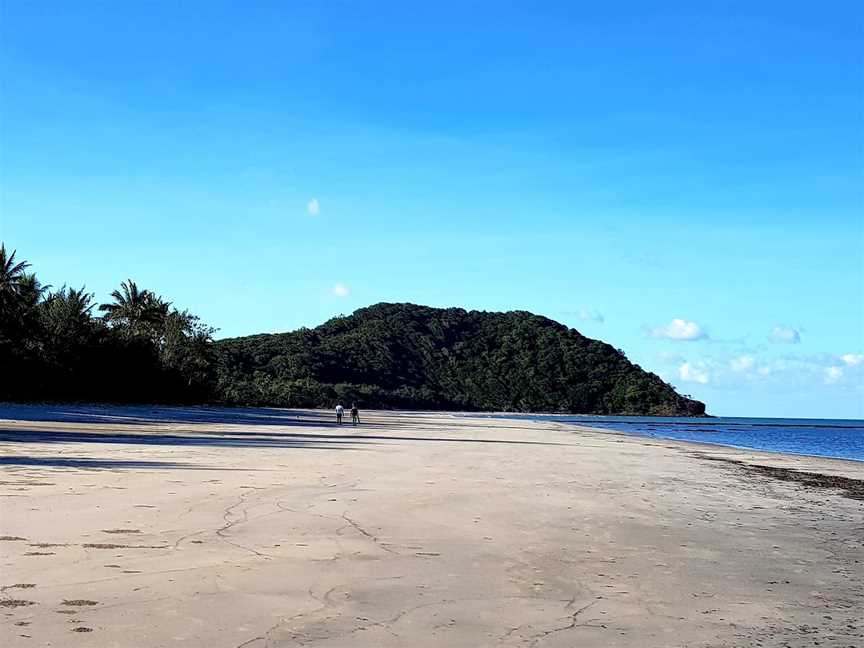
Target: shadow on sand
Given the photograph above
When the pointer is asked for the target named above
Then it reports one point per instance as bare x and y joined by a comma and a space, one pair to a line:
232, 439
157, 415
109, 464
247, 416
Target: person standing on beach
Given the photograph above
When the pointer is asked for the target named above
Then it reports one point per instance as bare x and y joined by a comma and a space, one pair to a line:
355, 414
339, 411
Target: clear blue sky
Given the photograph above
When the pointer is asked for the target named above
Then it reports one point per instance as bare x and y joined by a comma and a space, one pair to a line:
269, 165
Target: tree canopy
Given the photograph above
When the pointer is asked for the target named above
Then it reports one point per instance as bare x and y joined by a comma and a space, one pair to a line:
52, 346
409, 356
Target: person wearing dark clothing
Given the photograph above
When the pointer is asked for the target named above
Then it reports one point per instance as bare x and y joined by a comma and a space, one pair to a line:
355, 415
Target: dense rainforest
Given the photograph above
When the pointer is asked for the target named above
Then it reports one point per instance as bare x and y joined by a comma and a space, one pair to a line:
53, 346
408, 356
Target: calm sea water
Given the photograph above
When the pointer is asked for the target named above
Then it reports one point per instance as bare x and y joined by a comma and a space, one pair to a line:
842, 439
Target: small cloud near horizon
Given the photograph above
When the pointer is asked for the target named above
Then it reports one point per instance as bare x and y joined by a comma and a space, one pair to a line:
690, 372
678, 329
750, 368
742, 363
784, 335
590, 315
833, 375
852, 359
313, 207
340, 290
836, 372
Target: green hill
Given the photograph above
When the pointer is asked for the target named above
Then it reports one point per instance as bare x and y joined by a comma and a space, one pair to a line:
409, 356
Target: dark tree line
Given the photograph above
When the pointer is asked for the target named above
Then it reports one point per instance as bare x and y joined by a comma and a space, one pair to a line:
55, 346
58, 345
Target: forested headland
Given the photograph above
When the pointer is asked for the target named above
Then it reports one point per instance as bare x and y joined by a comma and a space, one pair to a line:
60, 344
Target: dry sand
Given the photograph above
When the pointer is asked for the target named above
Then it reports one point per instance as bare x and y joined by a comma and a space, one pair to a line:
184, 527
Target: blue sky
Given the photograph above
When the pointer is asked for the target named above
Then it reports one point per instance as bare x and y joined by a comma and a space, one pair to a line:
682, 182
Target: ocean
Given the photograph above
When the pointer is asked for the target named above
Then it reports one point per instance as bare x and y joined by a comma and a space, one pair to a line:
837, 438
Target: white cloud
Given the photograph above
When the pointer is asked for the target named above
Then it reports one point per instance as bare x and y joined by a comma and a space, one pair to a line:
679, 329
784, 335
340, 290
590, 315
697, 373
750, 368
742, 363
313, 207
833, 374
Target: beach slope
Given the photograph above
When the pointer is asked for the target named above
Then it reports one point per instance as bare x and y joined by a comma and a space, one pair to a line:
252, 528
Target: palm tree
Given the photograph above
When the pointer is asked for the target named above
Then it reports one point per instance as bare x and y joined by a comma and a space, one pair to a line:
30, 290
20, 294
80, 302
138, 309
11, 276
20, 301
128, 303
66, 313
157, 309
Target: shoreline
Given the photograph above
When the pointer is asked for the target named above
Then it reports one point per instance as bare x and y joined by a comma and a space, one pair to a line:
743, 449
636, 433
278, 528
771, 463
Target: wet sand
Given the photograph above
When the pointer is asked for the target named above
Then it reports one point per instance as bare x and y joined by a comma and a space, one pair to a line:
204, 527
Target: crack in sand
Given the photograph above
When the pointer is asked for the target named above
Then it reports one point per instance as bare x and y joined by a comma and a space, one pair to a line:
386, 623
510, 632
536, 639
372, 537
245, 519
230, 523
324, 601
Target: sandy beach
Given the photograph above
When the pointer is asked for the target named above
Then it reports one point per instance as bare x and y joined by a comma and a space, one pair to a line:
252, 528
